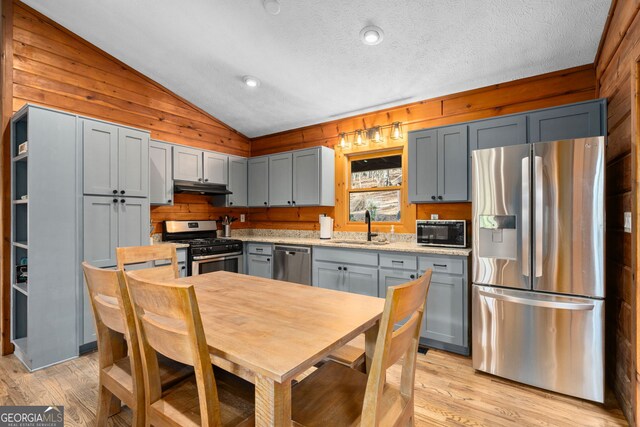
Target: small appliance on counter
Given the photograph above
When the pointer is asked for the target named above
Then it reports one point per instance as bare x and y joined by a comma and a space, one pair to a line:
439, 232
326, 227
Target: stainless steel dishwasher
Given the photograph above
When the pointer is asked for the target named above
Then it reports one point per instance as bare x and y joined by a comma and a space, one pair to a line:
292, 264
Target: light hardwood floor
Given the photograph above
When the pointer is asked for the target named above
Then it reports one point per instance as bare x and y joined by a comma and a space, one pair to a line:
448, 393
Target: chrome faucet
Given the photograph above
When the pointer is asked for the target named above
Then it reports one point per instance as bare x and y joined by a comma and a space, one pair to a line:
367, 220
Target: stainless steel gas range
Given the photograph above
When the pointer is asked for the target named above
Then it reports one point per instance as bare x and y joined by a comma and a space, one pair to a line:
206, 253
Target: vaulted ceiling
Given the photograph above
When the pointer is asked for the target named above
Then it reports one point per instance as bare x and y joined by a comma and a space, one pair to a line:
310, 60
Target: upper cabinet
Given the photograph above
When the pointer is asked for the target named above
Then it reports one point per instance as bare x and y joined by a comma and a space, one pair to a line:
572, 121
295, 178
215, 167
258, 181
190, 164
116, 160
237, 182
439, 158
160, 180
498, 132
438, 161
280, 179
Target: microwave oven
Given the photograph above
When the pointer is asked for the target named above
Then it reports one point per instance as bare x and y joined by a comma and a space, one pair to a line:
448, 233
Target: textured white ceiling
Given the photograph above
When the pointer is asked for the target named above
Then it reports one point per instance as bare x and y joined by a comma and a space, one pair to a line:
309, 58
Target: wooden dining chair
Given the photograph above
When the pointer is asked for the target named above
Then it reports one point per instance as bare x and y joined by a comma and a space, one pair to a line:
139, 254
169, 323
120, 367
336, 395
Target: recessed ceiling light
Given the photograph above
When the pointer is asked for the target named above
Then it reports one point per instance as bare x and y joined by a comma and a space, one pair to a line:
251, 81
271, 6
371, 35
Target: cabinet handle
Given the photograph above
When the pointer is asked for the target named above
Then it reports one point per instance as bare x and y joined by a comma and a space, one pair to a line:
413, 276
393, 261
433, 197
122, 200
439, 197
115, 191
122, 192
345, 269
115, 200
265, 203
268, 259
288, 202
230, 203
440, 265
169, 201
200, 179
293, 202
340, 268
206, 180
183, 267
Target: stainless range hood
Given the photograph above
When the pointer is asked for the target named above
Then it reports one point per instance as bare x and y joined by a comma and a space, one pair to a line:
200, 188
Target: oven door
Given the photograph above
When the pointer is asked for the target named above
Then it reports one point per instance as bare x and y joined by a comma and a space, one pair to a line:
209, 264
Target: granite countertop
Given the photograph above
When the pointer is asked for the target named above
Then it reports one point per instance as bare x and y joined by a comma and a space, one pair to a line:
393, 247
178, 245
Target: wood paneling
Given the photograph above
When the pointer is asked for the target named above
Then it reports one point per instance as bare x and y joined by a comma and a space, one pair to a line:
616, 71
548, 90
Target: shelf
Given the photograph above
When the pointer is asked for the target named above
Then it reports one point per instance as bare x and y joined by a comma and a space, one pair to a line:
21, 343
20, 157
21, 202
22, 245
22, 288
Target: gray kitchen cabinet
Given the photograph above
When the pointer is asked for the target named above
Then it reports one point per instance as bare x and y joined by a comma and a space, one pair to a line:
571, 121
360, 279
215, 167
313, 177
115, 160
182, 261
280, 179
423, 166
133, 222
258, 181
498, 132
238, 176
259, 266
445, 310
187, 164
328, 275
160, 176
438, 165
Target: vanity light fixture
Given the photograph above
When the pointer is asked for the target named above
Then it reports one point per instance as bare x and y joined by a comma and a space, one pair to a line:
251, 81
344, 141
360, 138
375, 135
396, 131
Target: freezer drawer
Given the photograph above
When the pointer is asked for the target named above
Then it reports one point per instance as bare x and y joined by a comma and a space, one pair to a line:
548, 341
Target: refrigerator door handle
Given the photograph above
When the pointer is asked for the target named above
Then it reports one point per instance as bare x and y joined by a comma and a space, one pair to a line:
575, 306
525, 216
539, 218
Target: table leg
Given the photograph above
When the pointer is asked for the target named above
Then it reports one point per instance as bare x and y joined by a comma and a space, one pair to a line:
273, 402
370, 337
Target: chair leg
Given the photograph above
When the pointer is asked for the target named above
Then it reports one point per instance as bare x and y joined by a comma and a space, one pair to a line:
108, 405
138, 418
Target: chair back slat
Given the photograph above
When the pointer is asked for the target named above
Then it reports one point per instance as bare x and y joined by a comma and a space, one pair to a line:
140, 254
406, 301
169, 322
162, 273
110, 313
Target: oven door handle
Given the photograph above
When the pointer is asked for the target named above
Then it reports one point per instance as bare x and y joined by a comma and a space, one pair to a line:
218, 256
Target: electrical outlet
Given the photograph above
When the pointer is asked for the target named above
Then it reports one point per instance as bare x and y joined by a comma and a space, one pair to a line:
241, 217
627, 222
435, 216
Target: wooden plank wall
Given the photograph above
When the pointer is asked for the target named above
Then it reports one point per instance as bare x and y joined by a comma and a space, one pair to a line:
615, 68
58, 69
548, 90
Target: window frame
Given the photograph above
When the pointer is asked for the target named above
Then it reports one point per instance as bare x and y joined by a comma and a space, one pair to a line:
349, 189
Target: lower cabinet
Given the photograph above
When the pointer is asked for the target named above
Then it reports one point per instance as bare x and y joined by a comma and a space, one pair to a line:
259, 266
182, 262
357, 279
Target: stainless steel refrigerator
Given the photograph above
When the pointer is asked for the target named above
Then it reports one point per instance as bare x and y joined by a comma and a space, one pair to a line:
538, 265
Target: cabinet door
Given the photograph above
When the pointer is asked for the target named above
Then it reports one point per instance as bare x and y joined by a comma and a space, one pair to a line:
361, 280
215, 168
306, 178
445, 314
328, 275
100, 158
392, 277
573, 121
499, 132
423, 166
453, 161
259, 266
187, 164
258, 188
280, 179
133, 163
237, 181
160, 180
100, 230
133, 222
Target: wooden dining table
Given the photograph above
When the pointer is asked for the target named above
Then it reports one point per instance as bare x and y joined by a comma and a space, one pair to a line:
269, 331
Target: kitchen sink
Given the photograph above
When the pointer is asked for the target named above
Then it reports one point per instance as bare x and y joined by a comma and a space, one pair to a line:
358, 242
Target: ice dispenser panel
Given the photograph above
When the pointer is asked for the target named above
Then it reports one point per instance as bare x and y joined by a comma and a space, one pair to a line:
498, 237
